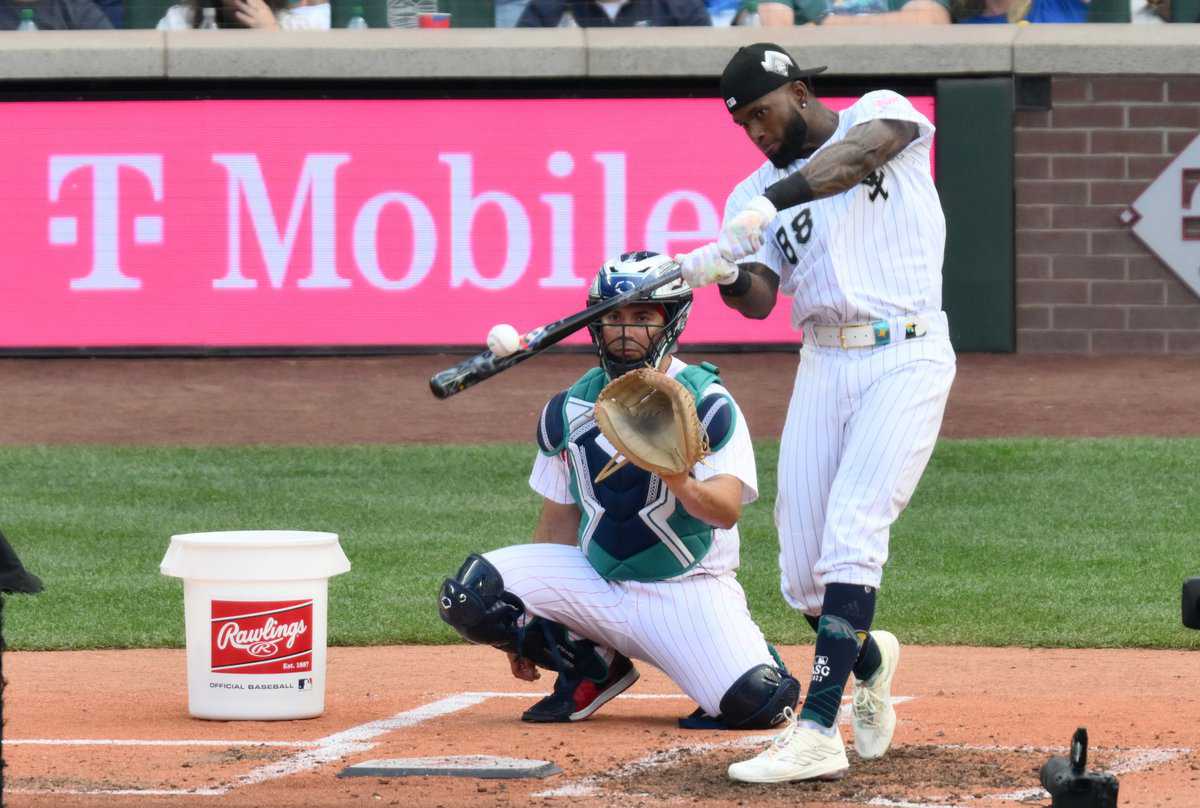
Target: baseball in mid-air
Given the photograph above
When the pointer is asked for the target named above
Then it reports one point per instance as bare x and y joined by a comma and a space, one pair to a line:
503, 340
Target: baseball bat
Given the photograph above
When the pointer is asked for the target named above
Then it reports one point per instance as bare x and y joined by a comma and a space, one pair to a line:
470, 372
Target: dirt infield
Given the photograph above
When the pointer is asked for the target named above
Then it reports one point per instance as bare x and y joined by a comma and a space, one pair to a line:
387, 399
973, 730
112, 728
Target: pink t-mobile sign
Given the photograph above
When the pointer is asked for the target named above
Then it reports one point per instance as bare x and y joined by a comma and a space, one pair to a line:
372, 222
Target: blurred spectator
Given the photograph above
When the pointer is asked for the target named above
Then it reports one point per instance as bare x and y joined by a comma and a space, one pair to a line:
1144, 11
593, 13
724, 12
747, 14
1152, 11
54, 15
307, 15
114, 10
851, 12
508, 12
1018, 11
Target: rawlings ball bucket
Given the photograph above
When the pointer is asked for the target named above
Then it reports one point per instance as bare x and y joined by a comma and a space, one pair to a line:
255, 606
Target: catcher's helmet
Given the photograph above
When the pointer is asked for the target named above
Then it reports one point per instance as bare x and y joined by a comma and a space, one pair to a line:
621, 275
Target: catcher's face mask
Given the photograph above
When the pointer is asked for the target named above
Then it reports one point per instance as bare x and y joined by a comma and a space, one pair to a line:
674, 301
630, 331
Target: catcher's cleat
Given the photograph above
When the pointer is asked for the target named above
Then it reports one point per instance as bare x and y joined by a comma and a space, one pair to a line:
874, 717
576, 698
797, 753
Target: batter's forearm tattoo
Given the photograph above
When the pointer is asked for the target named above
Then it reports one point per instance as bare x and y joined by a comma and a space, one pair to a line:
843, 165
839, 168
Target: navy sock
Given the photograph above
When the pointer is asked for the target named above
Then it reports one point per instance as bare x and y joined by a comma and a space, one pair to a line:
846, 615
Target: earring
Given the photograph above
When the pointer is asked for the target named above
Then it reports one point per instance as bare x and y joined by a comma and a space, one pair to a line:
803, 105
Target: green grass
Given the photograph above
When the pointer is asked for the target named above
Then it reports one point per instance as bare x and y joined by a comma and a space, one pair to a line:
1071, 543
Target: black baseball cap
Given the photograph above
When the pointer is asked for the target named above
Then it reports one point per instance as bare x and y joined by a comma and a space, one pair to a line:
756, 70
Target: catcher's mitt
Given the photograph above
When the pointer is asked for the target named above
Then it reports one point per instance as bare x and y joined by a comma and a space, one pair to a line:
651, 419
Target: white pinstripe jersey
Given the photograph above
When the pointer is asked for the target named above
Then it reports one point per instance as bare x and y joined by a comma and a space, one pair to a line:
550, 477
869, 253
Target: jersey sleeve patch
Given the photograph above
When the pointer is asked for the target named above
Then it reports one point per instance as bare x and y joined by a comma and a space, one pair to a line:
550, 427
888, 105
718, 418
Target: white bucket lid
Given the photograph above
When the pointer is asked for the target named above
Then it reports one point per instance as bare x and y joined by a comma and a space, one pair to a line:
255, 555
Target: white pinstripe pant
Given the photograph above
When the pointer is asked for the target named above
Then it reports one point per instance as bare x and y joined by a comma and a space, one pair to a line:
861, 426
696, 629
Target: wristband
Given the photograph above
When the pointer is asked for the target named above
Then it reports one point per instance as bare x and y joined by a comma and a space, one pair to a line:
789, 192
739, 287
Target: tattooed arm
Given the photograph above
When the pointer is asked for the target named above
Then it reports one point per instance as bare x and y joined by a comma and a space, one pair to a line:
845, 164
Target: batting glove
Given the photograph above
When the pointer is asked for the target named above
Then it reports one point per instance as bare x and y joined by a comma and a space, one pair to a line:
743, 234
705, 265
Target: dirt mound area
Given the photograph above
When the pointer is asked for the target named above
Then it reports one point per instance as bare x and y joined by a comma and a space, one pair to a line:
909, 774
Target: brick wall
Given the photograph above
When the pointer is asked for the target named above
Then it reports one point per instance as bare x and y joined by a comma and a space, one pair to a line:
1085, 284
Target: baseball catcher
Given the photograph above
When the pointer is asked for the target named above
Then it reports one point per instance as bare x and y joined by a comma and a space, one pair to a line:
643, 464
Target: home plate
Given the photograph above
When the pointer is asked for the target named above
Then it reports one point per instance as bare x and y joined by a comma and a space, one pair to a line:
486, 766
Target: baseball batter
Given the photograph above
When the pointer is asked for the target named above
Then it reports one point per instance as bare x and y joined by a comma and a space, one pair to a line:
635, 566
843, 217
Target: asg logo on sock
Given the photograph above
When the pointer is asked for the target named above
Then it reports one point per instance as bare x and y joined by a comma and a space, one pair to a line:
820, 668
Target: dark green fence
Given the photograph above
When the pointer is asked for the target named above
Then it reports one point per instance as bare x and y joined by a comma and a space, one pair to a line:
975, 180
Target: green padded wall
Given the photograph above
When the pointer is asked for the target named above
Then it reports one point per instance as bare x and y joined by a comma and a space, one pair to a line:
145, 13
374, 12
1108, 11
470, 13
1185, 10
974, 156
1118, 11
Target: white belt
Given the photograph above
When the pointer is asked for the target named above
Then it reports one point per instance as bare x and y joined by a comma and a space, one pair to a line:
869, 335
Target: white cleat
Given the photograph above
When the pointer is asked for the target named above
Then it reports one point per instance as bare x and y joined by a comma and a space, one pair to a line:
873, 716
797, 753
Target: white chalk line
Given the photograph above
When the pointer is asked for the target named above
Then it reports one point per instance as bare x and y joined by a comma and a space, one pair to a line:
327, 749
146, 742
122, 792
359, 739
317, 753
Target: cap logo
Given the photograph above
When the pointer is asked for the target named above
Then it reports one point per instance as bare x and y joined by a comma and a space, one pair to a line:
731, 102
776, 62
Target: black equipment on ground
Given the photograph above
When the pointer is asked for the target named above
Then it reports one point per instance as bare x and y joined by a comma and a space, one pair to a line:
1071, 785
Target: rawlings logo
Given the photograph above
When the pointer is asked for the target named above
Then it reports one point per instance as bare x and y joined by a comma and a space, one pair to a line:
262, 636
260, 642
